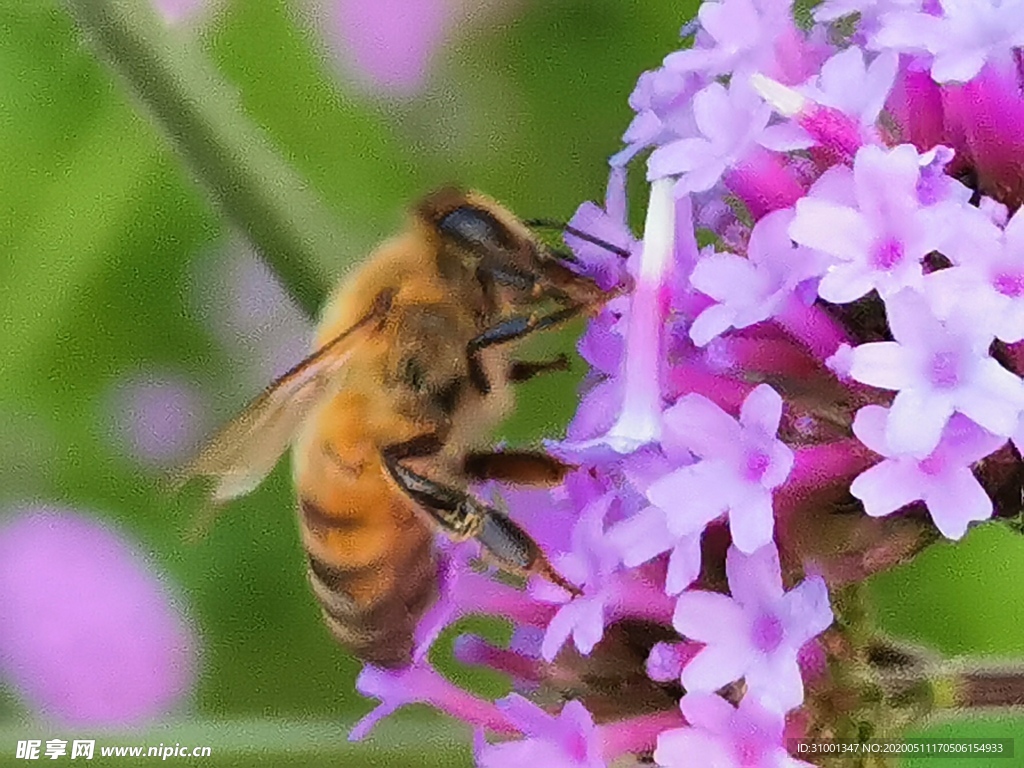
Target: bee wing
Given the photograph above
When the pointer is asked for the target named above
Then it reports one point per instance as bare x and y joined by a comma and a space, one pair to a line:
242, 454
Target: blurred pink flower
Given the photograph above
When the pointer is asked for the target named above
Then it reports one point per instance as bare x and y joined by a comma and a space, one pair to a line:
157, 419
89, 635
388, 44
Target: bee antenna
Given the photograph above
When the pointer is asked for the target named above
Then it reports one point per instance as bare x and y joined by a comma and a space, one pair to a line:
566, 228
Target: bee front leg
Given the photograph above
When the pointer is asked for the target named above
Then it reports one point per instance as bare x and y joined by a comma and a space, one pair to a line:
461, 516
510, 330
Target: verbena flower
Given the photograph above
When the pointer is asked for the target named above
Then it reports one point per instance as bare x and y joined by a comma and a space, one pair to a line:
724, 736
756, 633
765, 413
89, 634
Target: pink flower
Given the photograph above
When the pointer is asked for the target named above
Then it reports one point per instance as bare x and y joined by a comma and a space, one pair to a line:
938, 369
872, 223
757, 633
742, 462
943, 479
724, 736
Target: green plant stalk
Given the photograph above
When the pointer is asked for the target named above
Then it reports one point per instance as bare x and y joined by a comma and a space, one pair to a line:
254, 187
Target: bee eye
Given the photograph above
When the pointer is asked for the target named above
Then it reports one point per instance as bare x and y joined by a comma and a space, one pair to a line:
476, 228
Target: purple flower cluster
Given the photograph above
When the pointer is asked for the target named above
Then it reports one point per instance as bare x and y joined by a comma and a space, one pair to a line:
849, 335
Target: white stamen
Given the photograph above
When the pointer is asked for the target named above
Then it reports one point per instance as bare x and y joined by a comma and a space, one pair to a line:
783, 99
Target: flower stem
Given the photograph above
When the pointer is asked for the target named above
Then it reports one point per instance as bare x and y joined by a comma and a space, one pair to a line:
249, 181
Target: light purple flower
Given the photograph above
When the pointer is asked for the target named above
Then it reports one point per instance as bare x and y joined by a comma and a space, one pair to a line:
962, 38
872, 222
723, 736
157, 418
742, 462
937, 368
757, 633
89, 635
731, 123
851, 85
569, 739
591, 565
736, 35
989, 278
665, 662
943, 480
749, 290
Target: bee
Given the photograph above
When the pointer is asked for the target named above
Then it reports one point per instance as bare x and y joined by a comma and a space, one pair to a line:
388, 417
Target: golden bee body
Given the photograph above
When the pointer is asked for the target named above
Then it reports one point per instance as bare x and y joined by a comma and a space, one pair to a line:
389, 417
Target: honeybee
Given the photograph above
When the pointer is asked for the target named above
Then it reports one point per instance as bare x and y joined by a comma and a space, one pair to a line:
412, 368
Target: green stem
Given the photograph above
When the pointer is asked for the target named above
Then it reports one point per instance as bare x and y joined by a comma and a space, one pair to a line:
252, 184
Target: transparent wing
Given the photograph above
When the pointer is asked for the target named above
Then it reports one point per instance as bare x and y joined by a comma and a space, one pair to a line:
247, 448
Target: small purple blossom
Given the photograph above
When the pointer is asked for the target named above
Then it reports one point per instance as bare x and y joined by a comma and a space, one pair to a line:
89, 634
421, 683
731, 122
937, 368
942, 480
757, 633
871, 221
741, 463
569, 739
989, 278
592, 565
723, 736
750, 290
961, 38
853, 86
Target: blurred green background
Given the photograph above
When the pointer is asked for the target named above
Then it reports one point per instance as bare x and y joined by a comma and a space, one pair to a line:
103, 234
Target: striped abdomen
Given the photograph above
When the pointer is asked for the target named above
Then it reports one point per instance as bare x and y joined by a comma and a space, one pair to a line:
371, 562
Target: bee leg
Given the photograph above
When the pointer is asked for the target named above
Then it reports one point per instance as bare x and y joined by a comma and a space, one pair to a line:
510, 330
524, 370
521, 467
461, 516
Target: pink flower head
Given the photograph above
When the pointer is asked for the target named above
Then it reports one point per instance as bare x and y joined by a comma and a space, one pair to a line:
89, 635
942, 480
723, 736
741, 463
757, 633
